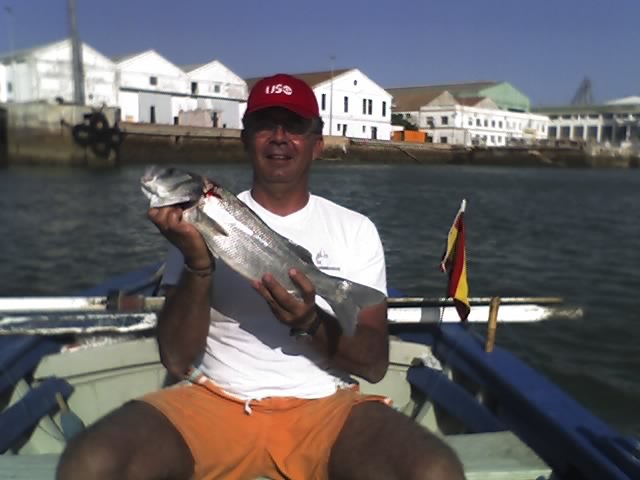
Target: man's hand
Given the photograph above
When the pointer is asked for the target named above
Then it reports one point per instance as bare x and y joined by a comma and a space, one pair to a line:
183, 235
290, 310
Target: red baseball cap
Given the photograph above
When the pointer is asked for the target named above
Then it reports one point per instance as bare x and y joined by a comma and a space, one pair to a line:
286, 91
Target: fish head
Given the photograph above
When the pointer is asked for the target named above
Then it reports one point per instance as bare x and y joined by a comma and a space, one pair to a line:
168, 186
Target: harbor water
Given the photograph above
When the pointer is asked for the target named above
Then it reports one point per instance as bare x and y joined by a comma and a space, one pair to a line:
540, 232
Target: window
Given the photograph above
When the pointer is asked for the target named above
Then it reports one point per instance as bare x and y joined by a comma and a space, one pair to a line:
153, 80
493, 123
486, 122
444, 120
323, 101
370, 107
384, 109
346, 104
443, 139
493, 139
216, 88
500, 124
364, 128
478, 123
9, 87
364, 106
194, 88
471, 122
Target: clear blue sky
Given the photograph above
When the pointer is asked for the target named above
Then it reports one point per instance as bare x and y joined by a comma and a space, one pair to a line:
543, 47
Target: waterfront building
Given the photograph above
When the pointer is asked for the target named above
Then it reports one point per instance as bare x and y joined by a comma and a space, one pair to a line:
151, 88
219, 94
351, 104
45, 73
616, 122
479, 113
3, 83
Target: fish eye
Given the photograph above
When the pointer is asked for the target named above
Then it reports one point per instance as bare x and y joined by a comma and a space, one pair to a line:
171, 171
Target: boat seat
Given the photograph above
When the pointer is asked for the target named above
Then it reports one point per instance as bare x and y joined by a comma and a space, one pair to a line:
497, 456
22, 416
486, 456
454, 399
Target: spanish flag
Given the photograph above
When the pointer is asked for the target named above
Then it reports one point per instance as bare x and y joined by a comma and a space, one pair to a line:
454, 261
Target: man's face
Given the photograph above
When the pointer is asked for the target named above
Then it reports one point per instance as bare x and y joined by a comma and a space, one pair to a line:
281, 145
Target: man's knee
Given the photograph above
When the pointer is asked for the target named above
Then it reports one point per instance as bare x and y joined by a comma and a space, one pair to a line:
88, 458
442, 465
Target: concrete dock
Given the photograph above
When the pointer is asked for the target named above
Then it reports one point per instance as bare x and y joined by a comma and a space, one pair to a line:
67, 135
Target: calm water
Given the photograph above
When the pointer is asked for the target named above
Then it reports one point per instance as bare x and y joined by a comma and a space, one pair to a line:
529, 231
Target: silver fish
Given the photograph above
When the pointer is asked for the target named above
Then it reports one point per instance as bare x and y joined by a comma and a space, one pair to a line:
238, 237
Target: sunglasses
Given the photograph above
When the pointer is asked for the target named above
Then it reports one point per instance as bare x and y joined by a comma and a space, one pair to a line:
292, 124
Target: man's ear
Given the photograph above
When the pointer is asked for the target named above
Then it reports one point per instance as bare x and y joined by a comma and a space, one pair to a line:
246, 139
318, 147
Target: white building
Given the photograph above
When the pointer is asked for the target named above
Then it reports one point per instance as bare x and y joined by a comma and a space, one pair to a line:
219, 92
351, 104
616, 122
151, 88
466, 120
46, 73
3, 83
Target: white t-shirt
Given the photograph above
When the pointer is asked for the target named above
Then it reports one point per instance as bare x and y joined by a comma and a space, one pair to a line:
249, 353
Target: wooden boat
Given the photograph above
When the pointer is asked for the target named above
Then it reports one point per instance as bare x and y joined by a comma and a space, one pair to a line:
504, 419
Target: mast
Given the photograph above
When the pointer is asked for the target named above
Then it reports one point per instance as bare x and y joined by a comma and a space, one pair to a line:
76, 56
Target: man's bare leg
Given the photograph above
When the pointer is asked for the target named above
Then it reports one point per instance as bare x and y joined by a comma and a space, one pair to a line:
134, 442
377, 442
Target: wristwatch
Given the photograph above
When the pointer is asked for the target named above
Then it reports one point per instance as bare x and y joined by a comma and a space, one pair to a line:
309, 331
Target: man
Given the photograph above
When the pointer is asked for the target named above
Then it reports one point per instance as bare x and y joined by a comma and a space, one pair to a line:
268, 391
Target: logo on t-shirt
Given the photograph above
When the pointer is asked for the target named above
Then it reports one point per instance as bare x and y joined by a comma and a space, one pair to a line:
323, 262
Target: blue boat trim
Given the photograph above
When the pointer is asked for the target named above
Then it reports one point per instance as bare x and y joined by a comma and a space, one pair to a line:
553, 424
455, 399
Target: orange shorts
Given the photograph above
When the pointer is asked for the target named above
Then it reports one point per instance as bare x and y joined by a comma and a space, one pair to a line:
273, 437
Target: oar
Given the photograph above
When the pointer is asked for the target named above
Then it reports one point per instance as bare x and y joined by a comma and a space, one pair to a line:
474, 301
117, 302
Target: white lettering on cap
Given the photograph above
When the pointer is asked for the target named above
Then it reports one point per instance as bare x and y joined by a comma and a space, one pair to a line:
278, 88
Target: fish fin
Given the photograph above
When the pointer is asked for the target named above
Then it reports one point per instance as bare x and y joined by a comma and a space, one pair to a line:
302, 252
349, 299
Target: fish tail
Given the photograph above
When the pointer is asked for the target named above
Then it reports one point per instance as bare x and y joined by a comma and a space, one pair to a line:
347, 301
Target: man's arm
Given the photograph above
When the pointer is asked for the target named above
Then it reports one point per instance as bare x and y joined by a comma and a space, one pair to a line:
183, 322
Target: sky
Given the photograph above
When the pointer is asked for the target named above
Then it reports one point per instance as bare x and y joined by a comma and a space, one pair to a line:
544, 48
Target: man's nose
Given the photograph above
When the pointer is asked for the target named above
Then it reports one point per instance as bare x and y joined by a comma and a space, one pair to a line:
279, 134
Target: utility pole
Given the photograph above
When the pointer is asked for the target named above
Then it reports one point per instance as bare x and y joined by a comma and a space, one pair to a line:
76, 56
10, 32
331, 99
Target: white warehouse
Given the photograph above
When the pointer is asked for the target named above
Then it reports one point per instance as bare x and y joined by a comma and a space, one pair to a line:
152, 89
351, 104
45, 73
215, 89
3, 83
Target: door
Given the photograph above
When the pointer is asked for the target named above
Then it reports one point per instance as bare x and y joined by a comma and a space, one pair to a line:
374, 133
